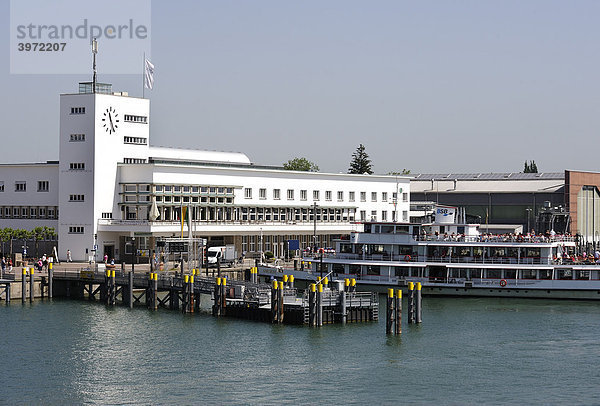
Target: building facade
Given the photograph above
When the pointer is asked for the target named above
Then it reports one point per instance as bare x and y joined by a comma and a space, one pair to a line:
566, 201
110, 188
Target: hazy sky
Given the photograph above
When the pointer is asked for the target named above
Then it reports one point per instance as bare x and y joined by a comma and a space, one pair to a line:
432, 86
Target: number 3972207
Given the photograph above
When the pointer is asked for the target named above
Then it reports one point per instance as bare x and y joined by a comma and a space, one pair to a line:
41, 46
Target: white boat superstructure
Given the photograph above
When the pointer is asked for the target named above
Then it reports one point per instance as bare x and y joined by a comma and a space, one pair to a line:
457, 259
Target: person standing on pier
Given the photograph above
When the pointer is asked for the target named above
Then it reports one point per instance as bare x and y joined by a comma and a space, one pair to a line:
69, 259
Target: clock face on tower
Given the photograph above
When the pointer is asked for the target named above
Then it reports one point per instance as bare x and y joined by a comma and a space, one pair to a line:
110, 120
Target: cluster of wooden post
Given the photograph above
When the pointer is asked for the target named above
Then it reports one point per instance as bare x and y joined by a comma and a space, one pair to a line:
277, 302
111, 288
414, 302
288, 281
315, 300
254, 275
188, 293
394, 312
220, 297
394, 308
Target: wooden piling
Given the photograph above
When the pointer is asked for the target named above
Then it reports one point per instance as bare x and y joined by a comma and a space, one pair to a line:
190, 288
280, 304
343, 306
155, 291
389, 319
398, 310
50, 281
130, 290
24, 285
320, 305
31, 284
312, 305
418, 303
274, 301
411, 302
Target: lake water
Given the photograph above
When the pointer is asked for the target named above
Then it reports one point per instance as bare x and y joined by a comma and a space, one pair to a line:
467, 351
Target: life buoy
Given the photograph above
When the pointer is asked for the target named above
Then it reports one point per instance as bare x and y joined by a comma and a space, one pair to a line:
407, 258
503, 282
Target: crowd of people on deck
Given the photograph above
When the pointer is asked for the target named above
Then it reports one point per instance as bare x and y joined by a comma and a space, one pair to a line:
548, 236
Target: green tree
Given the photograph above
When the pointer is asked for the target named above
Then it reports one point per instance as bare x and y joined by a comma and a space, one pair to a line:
6, 236
38, 234
530, 167
360, 164
300, 164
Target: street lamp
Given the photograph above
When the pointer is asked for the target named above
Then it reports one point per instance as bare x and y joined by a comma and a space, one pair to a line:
315, 227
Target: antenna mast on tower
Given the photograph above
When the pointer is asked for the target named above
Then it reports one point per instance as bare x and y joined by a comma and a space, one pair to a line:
94, 52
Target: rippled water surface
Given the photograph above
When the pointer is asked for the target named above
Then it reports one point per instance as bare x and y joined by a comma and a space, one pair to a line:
492, 351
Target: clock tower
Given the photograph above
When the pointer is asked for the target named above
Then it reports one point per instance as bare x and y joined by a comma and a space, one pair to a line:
98, 132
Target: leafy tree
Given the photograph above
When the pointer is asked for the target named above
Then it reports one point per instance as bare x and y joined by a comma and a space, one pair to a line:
360, 163
530, 167
6, 236
300, 164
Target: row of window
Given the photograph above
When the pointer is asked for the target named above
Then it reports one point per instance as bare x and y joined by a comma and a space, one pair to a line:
135, 140
384, 216
76, 230
29, 212
194, 189
316, 195
177, 189
134, 161
136, 119
77, 110
21, 186
76, 198
245, 214
77, 166
277, 243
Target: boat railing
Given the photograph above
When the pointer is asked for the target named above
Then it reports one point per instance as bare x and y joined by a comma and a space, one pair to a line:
495, 238
444, 259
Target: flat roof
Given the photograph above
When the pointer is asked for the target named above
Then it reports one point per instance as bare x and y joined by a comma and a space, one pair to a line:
489, 176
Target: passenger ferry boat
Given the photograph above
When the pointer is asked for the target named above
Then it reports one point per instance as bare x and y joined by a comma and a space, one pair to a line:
457, 259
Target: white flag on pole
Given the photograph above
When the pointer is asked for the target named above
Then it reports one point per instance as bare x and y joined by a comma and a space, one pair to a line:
148, 75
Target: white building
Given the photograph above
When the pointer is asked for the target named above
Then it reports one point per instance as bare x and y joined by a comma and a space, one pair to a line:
110, 184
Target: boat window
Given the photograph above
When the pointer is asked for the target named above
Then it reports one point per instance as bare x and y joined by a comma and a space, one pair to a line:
401, 271
338, 268
510, 274
582, 275
464, 252
533, 252
373, 270
387, 229
494, 273
346, 248
498, 252
374, 249
545, 274
402, 229
405, 250
564, 274
528, 274
354, 269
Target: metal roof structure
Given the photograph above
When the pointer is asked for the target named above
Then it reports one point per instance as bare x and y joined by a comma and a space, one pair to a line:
489, 176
